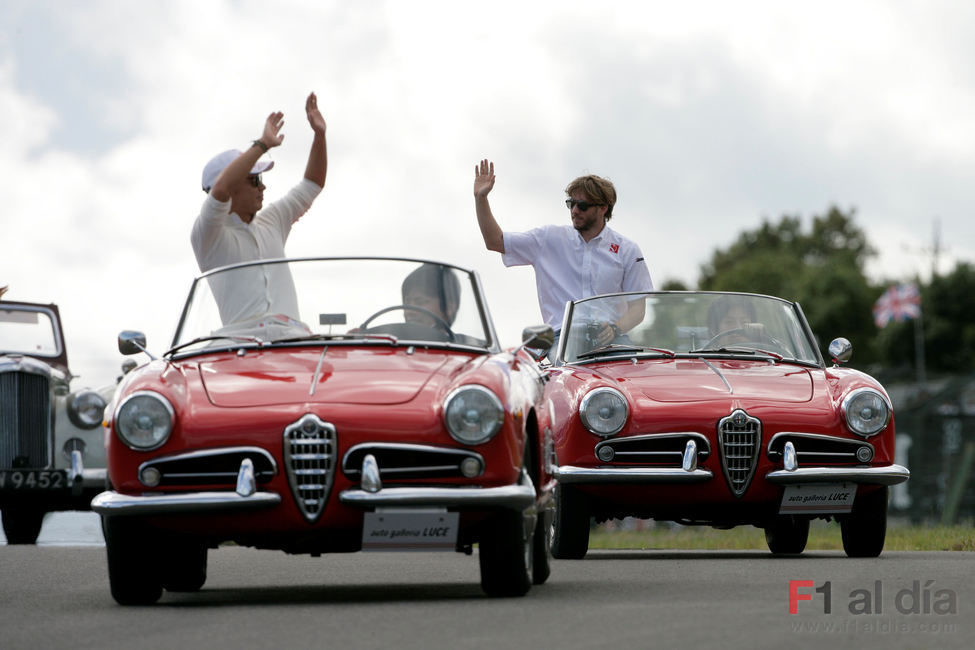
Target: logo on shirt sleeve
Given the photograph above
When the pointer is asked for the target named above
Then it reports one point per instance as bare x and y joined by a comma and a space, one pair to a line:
614, 248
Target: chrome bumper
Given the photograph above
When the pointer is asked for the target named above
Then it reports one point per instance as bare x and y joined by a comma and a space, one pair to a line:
510, 497
629, 475
113, 504
889, 475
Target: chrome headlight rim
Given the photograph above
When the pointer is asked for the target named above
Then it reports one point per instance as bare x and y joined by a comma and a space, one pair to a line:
128, 402
590, 424
848, 409
82, 407
493, 401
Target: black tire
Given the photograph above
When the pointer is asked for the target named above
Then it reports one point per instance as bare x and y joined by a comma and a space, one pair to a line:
133, 562
186, 566
787, 535
570, 540
542, 547
864, 530
22, 525
505, 555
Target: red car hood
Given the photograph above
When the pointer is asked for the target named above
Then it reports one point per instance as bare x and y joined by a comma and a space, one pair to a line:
693, 380
347, 375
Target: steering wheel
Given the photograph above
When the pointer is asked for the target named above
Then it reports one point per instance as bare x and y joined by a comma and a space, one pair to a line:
440, 322
745, 332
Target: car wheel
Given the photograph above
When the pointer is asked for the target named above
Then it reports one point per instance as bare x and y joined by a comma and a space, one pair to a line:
570, 539
787, 535
186, 565
865, 528
505, 554
542, 548
133, 562
22, 525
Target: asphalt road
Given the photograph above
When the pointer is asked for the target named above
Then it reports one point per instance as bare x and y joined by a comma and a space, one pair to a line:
55, 595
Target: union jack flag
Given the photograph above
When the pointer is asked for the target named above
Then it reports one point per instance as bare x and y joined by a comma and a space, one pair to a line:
899, 303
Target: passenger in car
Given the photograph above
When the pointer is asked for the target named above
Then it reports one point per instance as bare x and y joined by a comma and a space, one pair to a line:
586, 258
234, 225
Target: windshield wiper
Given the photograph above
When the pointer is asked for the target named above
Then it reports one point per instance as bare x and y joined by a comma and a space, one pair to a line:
231, 337
614, 348
339, 337
734, 350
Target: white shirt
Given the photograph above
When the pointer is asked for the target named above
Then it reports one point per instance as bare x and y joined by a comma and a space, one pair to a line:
220, 237
569, 268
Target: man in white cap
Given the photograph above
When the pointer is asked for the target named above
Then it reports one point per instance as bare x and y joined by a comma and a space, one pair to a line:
234, 225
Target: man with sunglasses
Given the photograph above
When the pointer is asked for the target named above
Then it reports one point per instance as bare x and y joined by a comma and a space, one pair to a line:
585, 259
234, 225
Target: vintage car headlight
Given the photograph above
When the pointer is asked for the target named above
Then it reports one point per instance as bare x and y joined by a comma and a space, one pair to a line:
604, 411
473, 414
144, 420
866, 411
86, 409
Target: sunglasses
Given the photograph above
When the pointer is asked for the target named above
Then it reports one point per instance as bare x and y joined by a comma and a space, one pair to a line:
254, 180
583, 205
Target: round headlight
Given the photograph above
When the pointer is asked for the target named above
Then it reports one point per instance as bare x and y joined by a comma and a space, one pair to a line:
866, 411
144, 420
604, 411
473, 414
86, 409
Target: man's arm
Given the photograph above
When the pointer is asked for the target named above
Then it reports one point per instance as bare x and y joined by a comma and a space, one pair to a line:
317, 166
244, 163
483, 184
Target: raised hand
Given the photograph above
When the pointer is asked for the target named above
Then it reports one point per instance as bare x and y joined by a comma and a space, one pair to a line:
272, 135
483, 178
315, 118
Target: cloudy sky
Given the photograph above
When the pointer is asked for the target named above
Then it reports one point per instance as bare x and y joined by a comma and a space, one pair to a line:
708, 116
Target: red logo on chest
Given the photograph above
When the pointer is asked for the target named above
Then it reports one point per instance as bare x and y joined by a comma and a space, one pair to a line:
615, 248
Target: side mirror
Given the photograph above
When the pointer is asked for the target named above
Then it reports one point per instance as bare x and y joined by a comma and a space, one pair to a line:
840, 350
130, 342
538, 339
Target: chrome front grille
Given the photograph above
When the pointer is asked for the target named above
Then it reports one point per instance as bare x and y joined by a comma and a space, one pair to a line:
309, 456
663, 449
399, 461
739, 437
817, 449
209, 467
25, 420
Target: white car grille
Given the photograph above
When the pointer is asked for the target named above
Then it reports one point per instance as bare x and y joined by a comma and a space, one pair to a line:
739, 438
309, 456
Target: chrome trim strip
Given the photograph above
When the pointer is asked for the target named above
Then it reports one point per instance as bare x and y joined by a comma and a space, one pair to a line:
112, 504
508, 497
887, 475
209, 452
633, 475
816, 437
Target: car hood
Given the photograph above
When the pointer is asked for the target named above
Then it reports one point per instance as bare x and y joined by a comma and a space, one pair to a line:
694, 380
344, 375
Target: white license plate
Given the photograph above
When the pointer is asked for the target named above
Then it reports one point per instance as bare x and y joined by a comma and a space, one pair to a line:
410, 530
33, 479
818, 498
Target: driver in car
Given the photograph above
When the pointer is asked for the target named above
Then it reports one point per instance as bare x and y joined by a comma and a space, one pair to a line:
732, 319
435, 291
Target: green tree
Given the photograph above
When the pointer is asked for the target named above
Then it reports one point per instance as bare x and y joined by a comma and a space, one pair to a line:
822, 269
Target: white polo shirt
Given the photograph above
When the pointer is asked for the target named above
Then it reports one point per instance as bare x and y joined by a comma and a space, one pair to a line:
569, 268
220, 237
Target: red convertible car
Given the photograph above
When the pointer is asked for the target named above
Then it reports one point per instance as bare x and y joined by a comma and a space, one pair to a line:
329, 405
715, 409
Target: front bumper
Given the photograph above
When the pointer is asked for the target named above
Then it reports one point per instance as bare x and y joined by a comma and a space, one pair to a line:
887, 475
567, 474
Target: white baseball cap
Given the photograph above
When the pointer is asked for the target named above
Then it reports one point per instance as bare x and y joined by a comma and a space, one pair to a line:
219, 162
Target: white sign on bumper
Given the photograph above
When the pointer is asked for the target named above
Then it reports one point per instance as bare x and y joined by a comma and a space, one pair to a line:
410, 530
818, 498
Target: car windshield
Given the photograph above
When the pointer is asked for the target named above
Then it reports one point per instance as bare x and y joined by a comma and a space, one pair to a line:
336, 299
28, 331
687, 323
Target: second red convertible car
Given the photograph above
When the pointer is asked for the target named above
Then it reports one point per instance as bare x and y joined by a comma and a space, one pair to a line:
716, 409
328, 405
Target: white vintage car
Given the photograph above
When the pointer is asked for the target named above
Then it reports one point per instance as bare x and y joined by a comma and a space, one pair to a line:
52, 447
